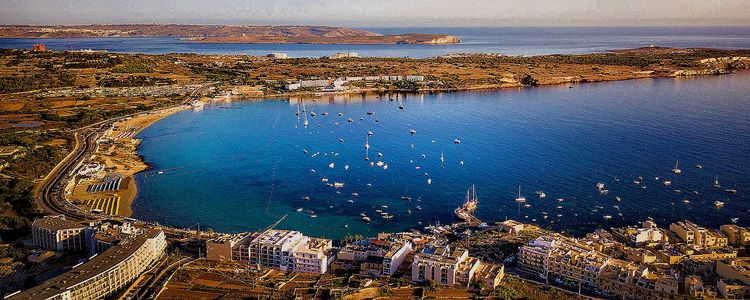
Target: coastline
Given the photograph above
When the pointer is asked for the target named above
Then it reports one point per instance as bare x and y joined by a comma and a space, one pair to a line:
119, 156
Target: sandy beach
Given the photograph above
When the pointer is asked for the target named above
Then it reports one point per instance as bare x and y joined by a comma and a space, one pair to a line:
119, 156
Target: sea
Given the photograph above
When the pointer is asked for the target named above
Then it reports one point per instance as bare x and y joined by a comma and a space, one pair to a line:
241, 166
501, 40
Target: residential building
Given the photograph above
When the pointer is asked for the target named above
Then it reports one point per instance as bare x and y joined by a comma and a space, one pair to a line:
105, 274
511, 226
736, 235
565, 259
379, 256
58, 234
444, 266
284, 250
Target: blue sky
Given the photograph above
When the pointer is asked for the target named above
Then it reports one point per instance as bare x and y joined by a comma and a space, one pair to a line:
383, 13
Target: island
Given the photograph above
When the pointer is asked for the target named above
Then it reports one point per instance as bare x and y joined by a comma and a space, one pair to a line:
246, 34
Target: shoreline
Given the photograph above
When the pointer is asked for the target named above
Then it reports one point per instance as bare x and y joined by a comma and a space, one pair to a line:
119, 156
130, 162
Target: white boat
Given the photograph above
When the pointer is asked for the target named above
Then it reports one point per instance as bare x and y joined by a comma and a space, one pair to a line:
731, 191
312, 114
341, 114
324, 113
299, 209
349, 120
350, 201
324, 179
406, 198
618, 198
698, 166
385, 167
341, 140
607, 217
306, 198
370, 113
519, 198
369, 133
541, 194
600, 186
718, 203
676, 169
338, 185
442, 157
331, 165
346, 167
716, 182
429, 180
367, 142
418, 208
412, 132
686, 201
366, 219
456, 141
313, 216
735, 220
667, 182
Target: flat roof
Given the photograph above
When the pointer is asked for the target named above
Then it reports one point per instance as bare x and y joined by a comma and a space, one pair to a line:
97, 265
56, 223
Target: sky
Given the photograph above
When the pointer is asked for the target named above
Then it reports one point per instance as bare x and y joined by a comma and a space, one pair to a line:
382, 13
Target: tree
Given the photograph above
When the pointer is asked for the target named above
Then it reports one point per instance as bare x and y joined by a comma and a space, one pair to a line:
528, 80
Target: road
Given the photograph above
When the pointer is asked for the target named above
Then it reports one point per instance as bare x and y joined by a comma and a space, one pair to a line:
50, 193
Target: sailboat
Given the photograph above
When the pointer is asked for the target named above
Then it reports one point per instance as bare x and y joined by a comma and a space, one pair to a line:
297, 113
306, 122
520, 199
676, 169
367, 142
442, 157
716, 182
465, 212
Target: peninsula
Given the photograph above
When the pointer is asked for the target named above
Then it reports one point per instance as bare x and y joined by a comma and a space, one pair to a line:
244, 34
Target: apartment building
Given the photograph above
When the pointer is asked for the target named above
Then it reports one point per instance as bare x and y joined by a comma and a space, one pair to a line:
104, 274
563, 259
378, 256
736, 235
696, 235
283, 250
58, 234
444, 266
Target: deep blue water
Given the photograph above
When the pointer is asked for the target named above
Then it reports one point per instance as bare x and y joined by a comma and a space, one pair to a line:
505, 40
241, 169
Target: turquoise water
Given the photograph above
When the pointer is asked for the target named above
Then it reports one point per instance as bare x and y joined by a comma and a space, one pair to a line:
505, 40
242, 169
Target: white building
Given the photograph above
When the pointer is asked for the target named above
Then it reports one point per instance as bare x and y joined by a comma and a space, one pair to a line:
105, 274
444, 266
57, 233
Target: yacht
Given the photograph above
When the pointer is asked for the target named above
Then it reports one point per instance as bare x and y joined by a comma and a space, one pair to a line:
350, 201
369, 133
442, 156
370, 113
298, 210
698, 166
312, 114
667, 182
429, 180
324, 113
465, 212
519, 198
456, 141
418, 208
731, 191
607, 217
367, 142
306, 198
412, 131
338, 185
600, 186
676, 169
341, 140
406, 198
541, 194
366, 219
718, 203
716, 182
349, 120
341, 114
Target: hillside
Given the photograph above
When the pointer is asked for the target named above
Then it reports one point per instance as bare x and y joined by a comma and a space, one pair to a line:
225, 33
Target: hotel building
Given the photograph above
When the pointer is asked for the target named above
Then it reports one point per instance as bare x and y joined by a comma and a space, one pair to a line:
58, 234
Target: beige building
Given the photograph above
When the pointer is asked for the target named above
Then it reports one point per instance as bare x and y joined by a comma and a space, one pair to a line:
736, 235
105, 274
57, 233
563, 259
696, 235
444, 266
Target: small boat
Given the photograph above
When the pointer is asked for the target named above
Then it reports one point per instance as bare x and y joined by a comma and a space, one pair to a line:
731, 191
735, 220
618, 198
313, 216
324, 113
341, 140
718, 203
298, 210
363, 214
400, 106
418, 208
306, 198
160, 172
429, 180
559, 207
387, 217
716, 182
527, 205
338, 185
369, 133
350, 201
367, 142
604, 192
695, 193
312, 114
667, 182
607, 217
380, 154
380, 211
519, 198
331, 165
384, 206
456, 141
442, 157
686, 201
541, 194
385, 167
366, 219
346, 226
560, 199
698, 166
304, 151
412, 131
324, 179
461, 163
600, 186
312, 170
349, 120
341, 114
638, 180
406, 198
370, 113
408, 211
677, 169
